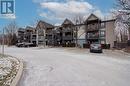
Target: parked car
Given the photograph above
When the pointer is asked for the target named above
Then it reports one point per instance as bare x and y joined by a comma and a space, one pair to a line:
29, 45
20, 44
96, 47
25, 44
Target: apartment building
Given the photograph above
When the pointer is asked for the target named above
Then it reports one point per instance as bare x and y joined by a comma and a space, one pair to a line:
26, 35
30, 34
96, 30
67, 32
58, 36
44, 33
20, 35
92, 30
64, 34
41, 35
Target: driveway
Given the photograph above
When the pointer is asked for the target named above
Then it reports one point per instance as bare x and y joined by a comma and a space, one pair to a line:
62, 67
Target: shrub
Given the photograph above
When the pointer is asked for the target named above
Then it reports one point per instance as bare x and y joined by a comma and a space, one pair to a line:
128, 42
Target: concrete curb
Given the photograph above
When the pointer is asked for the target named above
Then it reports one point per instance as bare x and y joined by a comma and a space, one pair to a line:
18, 76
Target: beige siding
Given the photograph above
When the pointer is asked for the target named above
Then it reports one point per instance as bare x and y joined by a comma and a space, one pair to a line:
81, 32
110, 36
81, 35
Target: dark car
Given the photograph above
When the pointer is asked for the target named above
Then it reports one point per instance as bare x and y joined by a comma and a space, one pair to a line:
20, 44
29, 45
96, 47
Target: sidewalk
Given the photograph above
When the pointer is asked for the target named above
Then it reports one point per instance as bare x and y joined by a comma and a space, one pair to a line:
10, 70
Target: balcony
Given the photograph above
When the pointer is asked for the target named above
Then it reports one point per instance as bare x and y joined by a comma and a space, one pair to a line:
33, 39
58, 37
93, 36
92, 27
67, 30
41, 38
49, 31
49, 37
67, 37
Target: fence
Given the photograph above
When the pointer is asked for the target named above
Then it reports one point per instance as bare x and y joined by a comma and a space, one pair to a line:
69, 45
120, 45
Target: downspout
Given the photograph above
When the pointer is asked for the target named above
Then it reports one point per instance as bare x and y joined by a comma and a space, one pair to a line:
129, 33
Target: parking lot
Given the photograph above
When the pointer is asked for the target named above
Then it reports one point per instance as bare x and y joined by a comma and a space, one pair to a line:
72, 67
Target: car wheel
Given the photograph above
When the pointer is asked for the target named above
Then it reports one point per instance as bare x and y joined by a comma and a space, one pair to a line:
101, 51
90, 51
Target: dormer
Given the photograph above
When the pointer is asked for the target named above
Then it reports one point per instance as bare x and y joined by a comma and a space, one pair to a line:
92, 19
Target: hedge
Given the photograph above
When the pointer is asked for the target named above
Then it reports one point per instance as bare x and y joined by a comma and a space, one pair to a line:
68, 45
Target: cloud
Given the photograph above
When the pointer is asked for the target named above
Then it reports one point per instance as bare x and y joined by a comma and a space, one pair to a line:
8, 16
55, 9
40, 1
99, 14
69, 7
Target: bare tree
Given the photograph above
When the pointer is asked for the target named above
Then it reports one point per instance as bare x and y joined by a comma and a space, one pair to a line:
78, 19
34, 22
121, 29
11, 29
123, 15
123, 4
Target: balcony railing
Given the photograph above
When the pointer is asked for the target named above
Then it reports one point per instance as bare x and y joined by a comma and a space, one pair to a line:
92, 29
49, 31
33, 39
49, 37
92, 36
67, 37
67, 30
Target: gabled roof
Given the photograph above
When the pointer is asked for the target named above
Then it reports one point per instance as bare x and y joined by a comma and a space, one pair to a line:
44, 24
29, 28
67, 22
21, 29
110, 20
92, 17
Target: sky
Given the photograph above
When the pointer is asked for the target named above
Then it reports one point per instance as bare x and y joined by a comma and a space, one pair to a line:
28, 12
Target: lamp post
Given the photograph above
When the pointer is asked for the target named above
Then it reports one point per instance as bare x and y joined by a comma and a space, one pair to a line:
3, 42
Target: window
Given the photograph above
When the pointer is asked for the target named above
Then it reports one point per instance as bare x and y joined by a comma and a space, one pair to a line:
41, 31
102, 34
102, 41
103, 25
